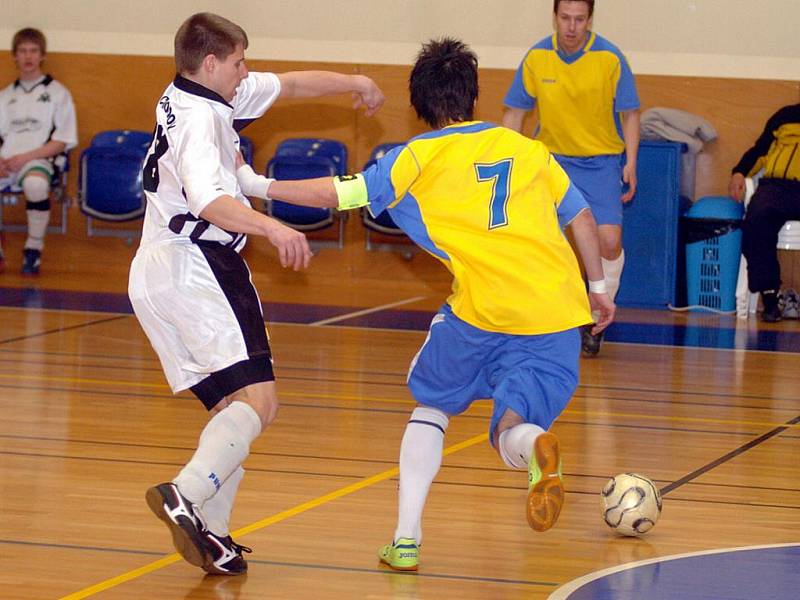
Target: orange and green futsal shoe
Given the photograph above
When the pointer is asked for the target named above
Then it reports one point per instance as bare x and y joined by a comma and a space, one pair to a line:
545, 483
402, 555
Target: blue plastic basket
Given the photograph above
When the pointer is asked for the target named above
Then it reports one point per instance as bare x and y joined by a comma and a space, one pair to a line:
712, 264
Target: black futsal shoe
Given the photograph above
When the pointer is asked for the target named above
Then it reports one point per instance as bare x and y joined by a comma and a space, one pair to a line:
225, 555
184, 521
772, 310
590, 344
31, 261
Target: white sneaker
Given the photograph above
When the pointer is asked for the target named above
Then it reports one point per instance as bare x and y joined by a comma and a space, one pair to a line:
791, 304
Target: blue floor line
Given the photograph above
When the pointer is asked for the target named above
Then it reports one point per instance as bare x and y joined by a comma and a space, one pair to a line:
704, 337
723, 337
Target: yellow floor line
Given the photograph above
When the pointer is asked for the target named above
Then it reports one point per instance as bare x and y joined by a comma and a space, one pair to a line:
109, 382
166, 388
281, 516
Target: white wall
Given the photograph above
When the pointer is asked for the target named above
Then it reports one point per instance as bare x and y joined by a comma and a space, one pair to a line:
724, 38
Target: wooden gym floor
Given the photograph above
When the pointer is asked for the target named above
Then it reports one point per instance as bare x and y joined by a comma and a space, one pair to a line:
705, 406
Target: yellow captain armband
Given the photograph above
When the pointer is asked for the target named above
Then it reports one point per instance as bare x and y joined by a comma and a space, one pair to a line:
351, 191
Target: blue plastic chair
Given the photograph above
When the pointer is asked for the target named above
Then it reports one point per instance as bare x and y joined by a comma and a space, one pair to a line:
306, 158
110, 183
114, 138
332, 149
383, 223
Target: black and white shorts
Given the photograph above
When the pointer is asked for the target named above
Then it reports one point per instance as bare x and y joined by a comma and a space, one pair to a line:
201, 312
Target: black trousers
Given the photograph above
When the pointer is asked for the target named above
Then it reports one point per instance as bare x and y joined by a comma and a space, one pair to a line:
775, 202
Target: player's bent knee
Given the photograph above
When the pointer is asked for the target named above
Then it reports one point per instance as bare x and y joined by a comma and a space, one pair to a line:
611, 250
610, 241
507, 421
262, 397
220, 406
35, 188
268, 413
267, 410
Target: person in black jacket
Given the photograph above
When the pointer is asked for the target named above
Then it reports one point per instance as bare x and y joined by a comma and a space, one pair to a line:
776, 201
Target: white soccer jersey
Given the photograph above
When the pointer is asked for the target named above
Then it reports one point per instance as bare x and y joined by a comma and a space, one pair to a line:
33, 113
192, 159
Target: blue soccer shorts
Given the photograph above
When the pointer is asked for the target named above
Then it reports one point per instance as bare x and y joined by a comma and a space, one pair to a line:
533, 375
599, 178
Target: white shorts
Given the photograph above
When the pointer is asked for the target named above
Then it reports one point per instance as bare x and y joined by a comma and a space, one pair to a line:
14, 180
201, 312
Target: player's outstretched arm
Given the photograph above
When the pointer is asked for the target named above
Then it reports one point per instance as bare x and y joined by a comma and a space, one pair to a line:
312, 84
319, 193
584, 230
343, 192
229, 214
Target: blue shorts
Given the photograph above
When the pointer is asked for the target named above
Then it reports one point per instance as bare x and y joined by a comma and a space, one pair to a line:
599, 178
533, 375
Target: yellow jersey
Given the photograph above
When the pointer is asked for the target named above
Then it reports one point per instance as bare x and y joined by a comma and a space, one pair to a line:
777, 149
579, 95
490, 204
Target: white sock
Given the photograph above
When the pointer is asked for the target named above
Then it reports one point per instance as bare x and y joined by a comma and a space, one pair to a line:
224, 444
612, 272
516, 443
36, 189
217, 509
37, 227
420, 459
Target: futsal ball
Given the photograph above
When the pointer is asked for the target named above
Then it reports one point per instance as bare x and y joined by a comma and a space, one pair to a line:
631, 504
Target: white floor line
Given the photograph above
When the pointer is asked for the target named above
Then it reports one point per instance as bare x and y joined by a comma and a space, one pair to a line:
366, 311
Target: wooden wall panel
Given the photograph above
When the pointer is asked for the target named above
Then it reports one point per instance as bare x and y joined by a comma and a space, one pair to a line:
737, 108
113, 91
110, 92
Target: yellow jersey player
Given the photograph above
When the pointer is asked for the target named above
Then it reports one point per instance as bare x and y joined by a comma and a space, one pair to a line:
490, 204
588, 116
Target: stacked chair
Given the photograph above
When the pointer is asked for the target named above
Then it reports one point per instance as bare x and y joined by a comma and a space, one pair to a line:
304, 158
110, 182
383, 225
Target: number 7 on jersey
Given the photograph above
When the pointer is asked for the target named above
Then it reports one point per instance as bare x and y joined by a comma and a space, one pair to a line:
499, 173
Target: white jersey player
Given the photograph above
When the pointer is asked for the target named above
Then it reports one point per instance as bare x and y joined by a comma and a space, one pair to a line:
37, 125
189, 287
192, 159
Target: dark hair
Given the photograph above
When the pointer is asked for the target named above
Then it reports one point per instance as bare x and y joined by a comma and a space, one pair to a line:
29, 34
589, 2
444, 82
203, 34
